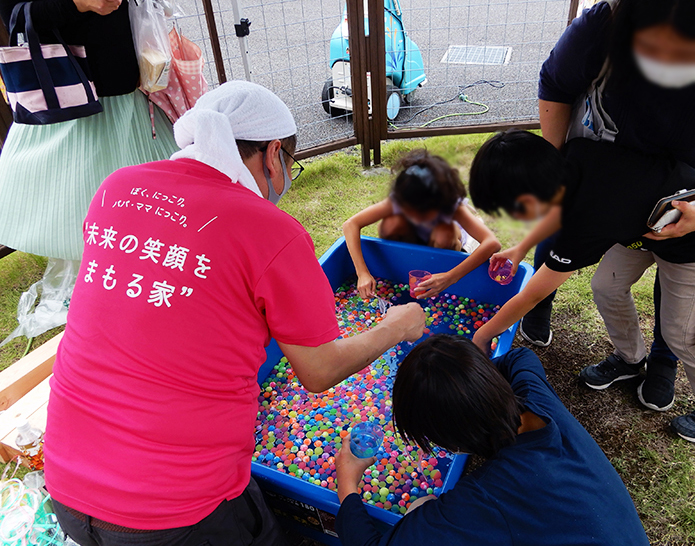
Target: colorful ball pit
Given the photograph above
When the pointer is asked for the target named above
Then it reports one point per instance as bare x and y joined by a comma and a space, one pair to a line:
299, 433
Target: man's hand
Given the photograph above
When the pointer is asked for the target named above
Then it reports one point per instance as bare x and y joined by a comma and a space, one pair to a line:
366, 286
102, 7
513, 254
409, 318
349, 470
685, 225
433, 286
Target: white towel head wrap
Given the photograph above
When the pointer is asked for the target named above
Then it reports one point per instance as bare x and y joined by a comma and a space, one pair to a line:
236, 110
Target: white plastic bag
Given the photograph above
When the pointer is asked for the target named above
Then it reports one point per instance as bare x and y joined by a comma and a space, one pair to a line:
56, 290
151, 39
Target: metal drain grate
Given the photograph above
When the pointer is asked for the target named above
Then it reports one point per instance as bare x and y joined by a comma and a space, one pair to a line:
457, 54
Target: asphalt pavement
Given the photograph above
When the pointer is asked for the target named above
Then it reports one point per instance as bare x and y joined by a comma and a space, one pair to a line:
289, 41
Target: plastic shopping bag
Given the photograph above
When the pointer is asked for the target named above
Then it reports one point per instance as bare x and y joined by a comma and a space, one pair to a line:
52, 311
150, 36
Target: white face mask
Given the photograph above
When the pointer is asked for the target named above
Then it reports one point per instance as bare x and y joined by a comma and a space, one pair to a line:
671, 76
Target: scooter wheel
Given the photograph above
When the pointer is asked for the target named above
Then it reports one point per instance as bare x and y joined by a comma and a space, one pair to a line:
326, 96
393, 102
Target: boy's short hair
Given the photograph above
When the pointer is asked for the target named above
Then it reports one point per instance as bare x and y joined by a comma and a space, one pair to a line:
514, 163
448, 393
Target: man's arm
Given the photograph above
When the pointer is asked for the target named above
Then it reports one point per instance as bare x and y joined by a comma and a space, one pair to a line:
319, 368
541, 284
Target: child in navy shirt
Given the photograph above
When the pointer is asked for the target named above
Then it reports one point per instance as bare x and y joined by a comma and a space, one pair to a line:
546, 482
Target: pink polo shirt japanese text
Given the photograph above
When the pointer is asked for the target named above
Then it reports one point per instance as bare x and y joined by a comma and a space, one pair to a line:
185, 278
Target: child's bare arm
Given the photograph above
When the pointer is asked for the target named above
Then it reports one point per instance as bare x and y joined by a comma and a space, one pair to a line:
549, 225
541, 284
488, 245
351, 229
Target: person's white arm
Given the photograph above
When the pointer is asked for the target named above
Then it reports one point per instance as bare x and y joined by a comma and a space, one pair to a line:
366, 285
555, 121
549, 225
320, 368
541, 284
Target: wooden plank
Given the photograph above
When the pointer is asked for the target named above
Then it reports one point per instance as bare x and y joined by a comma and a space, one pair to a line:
26, 373
464, 129
36, 419
4, 250
29, 407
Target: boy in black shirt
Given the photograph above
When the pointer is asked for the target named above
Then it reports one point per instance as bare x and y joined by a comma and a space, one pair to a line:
527, 177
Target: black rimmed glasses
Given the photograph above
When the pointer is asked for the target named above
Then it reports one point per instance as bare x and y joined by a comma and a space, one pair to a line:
297, 167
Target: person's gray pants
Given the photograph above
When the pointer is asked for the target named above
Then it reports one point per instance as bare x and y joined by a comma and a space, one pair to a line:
619, 269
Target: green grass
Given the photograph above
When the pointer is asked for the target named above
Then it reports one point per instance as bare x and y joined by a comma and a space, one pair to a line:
18, 272
661, 485
659, 472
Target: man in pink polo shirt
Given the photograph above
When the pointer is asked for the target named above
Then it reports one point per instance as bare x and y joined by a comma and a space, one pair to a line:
189, 269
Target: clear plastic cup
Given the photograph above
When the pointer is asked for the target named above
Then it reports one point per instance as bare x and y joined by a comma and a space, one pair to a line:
415, 277
503, 274
366, 439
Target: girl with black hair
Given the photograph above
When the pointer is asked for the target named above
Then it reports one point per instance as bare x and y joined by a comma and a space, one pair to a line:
622, 71
426, 206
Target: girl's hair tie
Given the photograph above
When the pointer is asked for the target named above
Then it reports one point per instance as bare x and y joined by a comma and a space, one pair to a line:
424, 174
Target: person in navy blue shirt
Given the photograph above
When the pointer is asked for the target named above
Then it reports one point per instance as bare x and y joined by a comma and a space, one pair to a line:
546, 482
646, 51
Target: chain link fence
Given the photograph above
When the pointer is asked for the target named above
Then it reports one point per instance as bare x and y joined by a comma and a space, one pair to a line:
480, 58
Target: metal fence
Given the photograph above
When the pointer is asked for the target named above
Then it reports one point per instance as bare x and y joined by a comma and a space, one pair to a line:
286, 50
479, 58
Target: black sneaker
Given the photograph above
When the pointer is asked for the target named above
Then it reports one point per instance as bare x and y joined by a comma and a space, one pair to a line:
602, 375
685, 426
657, 391
536, 331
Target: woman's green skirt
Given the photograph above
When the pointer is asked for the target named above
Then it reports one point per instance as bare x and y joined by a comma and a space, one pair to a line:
49, 173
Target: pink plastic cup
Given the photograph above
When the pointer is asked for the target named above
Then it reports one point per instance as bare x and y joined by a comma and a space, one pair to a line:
415, 277
503, 274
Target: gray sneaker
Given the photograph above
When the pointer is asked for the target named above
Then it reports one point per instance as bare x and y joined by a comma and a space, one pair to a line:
602, 375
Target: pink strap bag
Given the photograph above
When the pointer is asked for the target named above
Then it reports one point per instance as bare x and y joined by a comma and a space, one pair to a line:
186, 81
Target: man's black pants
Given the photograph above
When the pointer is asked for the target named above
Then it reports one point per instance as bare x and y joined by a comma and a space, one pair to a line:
243, 521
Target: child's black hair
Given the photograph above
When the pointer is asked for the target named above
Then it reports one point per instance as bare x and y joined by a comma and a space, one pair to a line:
426, 182
448, 393
513, 163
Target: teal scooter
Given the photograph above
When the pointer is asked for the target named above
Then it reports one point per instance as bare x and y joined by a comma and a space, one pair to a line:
404, 66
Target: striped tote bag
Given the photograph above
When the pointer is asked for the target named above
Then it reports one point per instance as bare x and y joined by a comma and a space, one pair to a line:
45, 83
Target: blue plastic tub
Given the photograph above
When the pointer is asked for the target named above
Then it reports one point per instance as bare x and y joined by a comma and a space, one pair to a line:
311, 508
